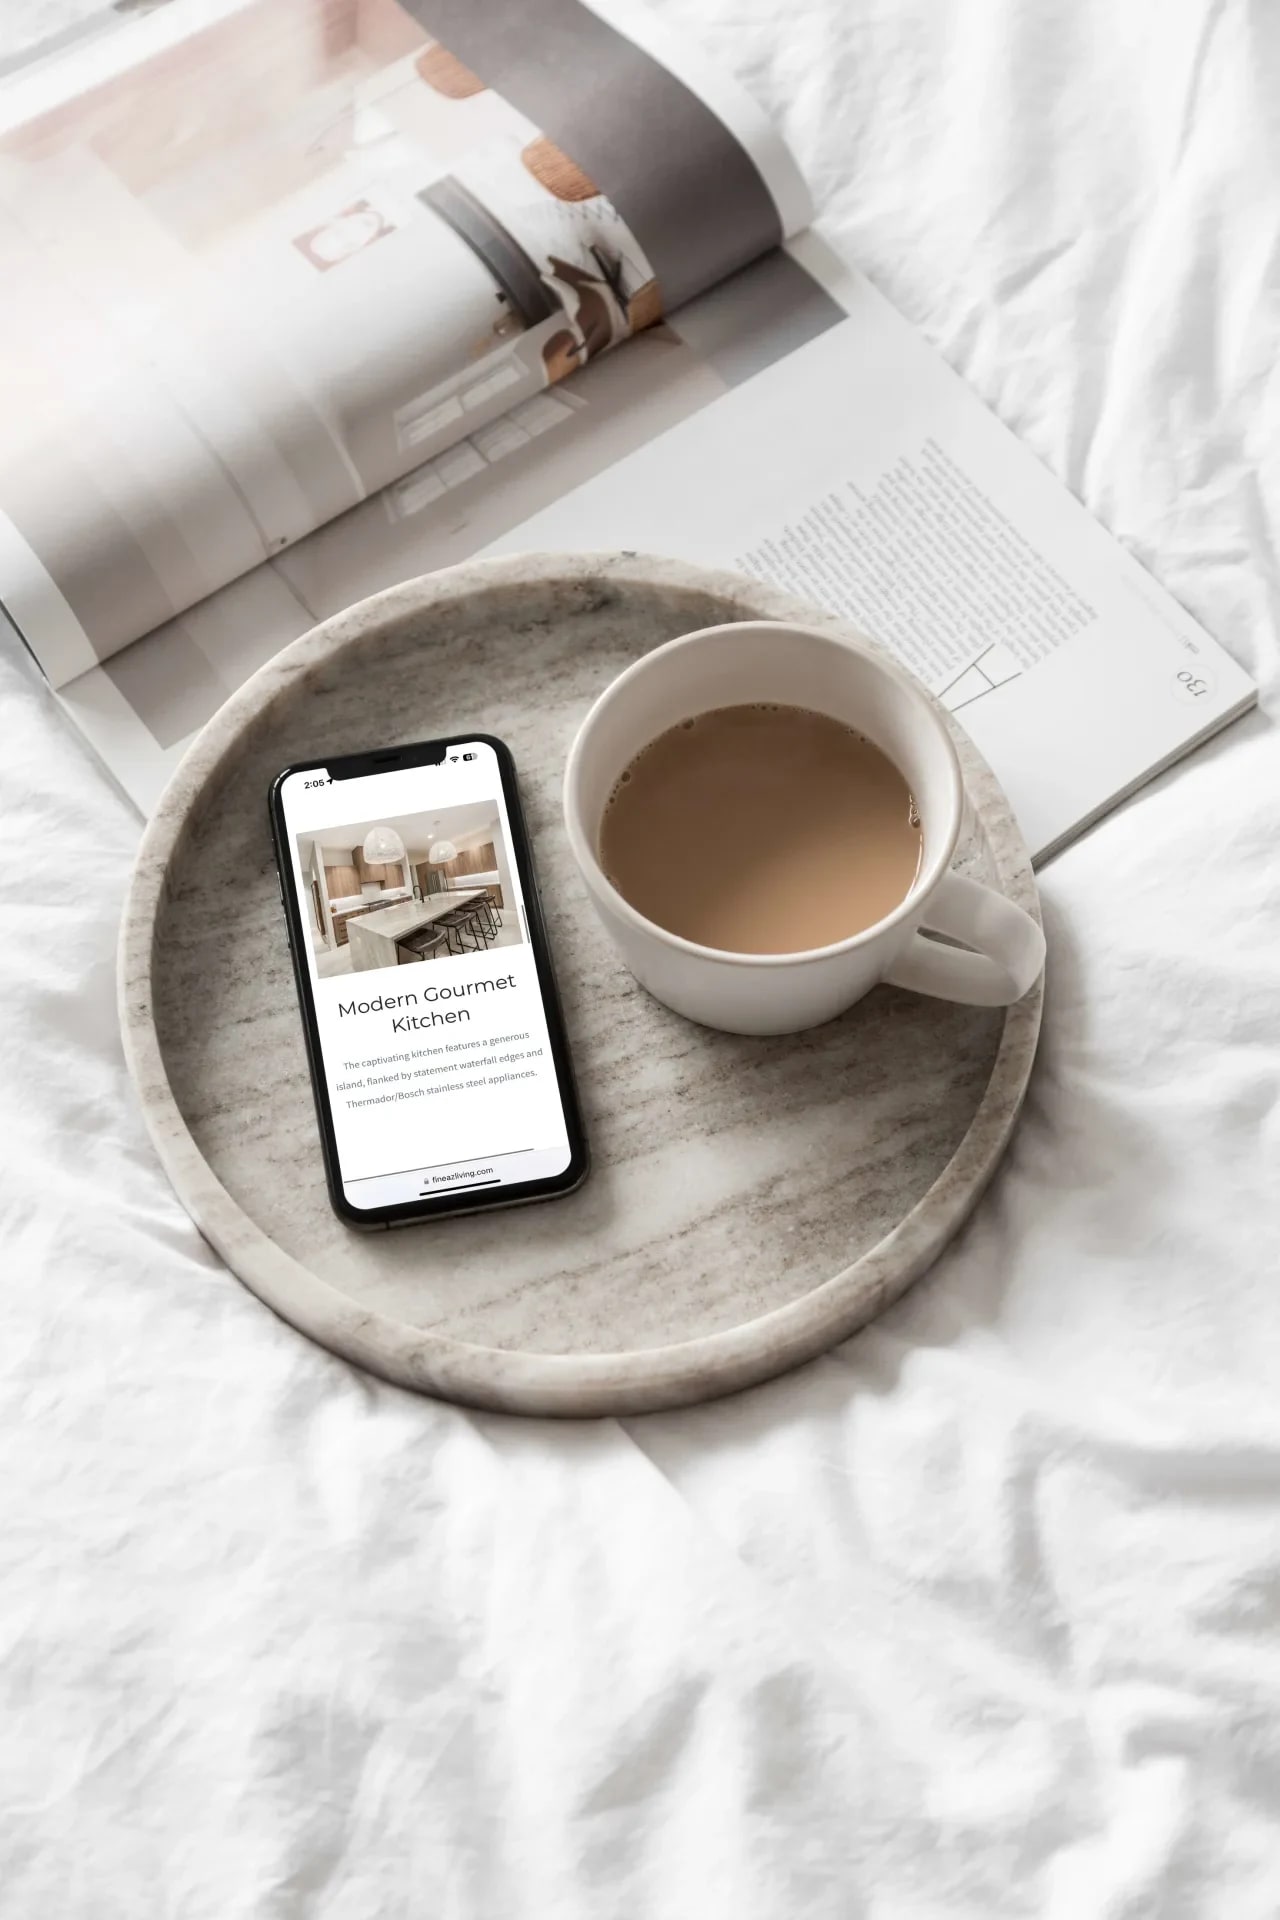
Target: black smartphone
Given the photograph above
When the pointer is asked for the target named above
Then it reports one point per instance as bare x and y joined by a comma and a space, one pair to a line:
438, 1056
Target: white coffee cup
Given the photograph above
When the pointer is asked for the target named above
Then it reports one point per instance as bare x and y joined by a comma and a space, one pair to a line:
765, 661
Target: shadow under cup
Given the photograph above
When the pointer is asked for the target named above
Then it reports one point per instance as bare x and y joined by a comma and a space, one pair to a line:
760, 662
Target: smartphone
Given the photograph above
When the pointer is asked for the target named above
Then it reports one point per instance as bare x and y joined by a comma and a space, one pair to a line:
437, 1048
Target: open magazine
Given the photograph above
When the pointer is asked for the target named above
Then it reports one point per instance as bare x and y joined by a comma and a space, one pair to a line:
320, 294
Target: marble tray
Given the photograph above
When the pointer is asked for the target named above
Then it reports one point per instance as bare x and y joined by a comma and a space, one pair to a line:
751, 1201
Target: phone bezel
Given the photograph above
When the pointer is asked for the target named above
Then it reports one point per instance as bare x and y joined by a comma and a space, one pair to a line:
407, 1213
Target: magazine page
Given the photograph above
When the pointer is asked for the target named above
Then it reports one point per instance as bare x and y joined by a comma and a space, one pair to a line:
274, 254
864, 476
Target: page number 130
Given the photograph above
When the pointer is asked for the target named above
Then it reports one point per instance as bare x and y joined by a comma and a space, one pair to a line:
1189, 685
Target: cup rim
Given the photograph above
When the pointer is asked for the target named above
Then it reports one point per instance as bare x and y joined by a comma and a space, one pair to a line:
600, 884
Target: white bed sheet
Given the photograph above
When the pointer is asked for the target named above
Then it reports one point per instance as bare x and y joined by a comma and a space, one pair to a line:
979, 1615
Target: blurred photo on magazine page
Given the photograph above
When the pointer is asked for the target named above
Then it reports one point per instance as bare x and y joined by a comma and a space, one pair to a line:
276, 254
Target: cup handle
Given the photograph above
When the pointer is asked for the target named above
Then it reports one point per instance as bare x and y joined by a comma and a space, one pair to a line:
1009, 956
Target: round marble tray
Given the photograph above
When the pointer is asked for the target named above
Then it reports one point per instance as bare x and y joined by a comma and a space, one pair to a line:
751, 1201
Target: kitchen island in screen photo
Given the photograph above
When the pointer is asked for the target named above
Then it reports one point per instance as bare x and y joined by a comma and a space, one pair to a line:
408, 888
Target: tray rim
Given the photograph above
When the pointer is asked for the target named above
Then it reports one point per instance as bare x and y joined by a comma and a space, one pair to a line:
501, 1379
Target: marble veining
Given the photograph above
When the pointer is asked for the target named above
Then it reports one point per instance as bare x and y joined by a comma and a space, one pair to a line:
751, 1201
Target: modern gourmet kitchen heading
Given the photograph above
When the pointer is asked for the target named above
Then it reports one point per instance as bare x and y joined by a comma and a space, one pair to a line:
404, 1023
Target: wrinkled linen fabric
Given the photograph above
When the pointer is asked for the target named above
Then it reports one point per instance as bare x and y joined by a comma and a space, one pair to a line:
976, 1616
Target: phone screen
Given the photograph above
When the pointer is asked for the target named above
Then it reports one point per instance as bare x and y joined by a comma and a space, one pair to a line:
434, 1029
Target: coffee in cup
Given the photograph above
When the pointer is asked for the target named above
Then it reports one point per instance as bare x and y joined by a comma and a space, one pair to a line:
761, 828
753, 965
